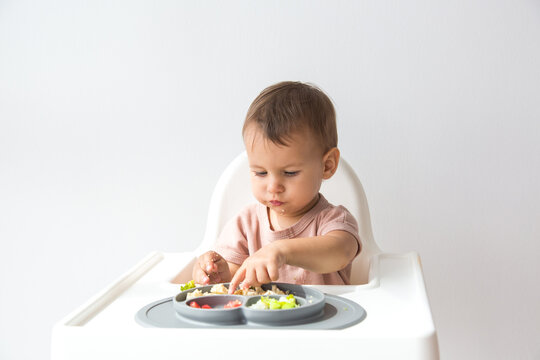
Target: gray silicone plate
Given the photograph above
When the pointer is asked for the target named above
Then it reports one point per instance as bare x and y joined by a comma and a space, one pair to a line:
316, 311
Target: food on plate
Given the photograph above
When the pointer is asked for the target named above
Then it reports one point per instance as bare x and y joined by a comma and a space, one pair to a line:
257, 290
268, 303
188, 285
220, 289
195, 304
232, 304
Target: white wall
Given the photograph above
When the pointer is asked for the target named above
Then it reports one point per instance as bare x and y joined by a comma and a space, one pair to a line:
117, 117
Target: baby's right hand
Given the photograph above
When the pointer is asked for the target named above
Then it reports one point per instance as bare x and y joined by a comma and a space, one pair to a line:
211, 268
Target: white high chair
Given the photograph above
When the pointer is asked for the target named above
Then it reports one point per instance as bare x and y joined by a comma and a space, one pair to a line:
390, 287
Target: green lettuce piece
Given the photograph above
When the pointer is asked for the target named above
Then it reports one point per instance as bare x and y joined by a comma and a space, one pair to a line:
290, 299
288, 302
287, 306
268, 301
188, 285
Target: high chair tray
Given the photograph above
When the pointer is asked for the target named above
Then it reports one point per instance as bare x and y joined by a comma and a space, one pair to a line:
337, 313
398, 325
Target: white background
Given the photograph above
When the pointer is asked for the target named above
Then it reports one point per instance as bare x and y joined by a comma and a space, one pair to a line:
117, 117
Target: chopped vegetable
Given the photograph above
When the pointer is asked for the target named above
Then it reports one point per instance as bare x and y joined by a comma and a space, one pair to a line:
232, 304
188, 285
266, 302
194, 304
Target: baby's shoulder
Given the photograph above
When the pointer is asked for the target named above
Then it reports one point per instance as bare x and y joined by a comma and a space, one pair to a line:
248, 214
332, 212
246, 221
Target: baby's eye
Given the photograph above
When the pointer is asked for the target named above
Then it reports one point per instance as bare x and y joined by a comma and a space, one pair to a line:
291, 173
259, 173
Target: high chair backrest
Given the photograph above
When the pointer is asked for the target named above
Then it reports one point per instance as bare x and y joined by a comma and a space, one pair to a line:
233, 192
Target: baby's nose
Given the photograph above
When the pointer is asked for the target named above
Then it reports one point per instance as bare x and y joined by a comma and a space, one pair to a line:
274, 186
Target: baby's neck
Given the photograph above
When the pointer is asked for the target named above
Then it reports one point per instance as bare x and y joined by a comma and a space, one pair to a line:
279, 222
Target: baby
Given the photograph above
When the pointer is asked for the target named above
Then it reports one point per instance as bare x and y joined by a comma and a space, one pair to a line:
293, 234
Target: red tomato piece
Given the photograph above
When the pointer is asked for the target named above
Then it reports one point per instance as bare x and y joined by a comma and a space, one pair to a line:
232, 304
194, 304
206, 306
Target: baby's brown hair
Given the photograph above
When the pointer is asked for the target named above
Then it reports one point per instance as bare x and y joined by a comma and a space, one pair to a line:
289, 106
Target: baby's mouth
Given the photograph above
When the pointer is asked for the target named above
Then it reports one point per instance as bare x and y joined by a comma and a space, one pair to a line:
275, 203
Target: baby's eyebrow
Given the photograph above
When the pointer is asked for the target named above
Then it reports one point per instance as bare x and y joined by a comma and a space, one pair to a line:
292, 165
287, 166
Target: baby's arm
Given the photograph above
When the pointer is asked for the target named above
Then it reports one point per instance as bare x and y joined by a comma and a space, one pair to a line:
321, 254
211, 268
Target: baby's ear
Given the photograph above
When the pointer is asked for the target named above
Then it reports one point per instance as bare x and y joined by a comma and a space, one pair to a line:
330, 162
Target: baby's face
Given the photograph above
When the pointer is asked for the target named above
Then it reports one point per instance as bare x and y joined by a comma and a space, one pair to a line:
286, 179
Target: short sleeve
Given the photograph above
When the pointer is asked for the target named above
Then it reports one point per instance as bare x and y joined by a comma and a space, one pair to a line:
232, 244
338, 218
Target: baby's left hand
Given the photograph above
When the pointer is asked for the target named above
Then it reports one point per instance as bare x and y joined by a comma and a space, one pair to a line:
210, 268
260, 268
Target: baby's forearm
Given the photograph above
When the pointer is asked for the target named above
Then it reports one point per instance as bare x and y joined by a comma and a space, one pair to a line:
320, 254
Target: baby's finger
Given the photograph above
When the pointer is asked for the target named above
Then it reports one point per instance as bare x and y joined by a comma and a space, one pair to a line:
221, 266
214, 278
273, 273
210, 267
199, 275
212, 256
208, 261
262, 276
250, 279
237, 278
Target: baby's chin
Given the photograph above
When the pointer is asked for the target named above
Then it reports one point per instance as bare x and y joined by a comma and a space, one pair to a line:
286, 211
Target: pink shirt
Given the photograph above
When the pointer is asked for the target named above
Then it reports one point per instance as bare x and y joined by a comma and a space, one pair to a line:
250, 230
